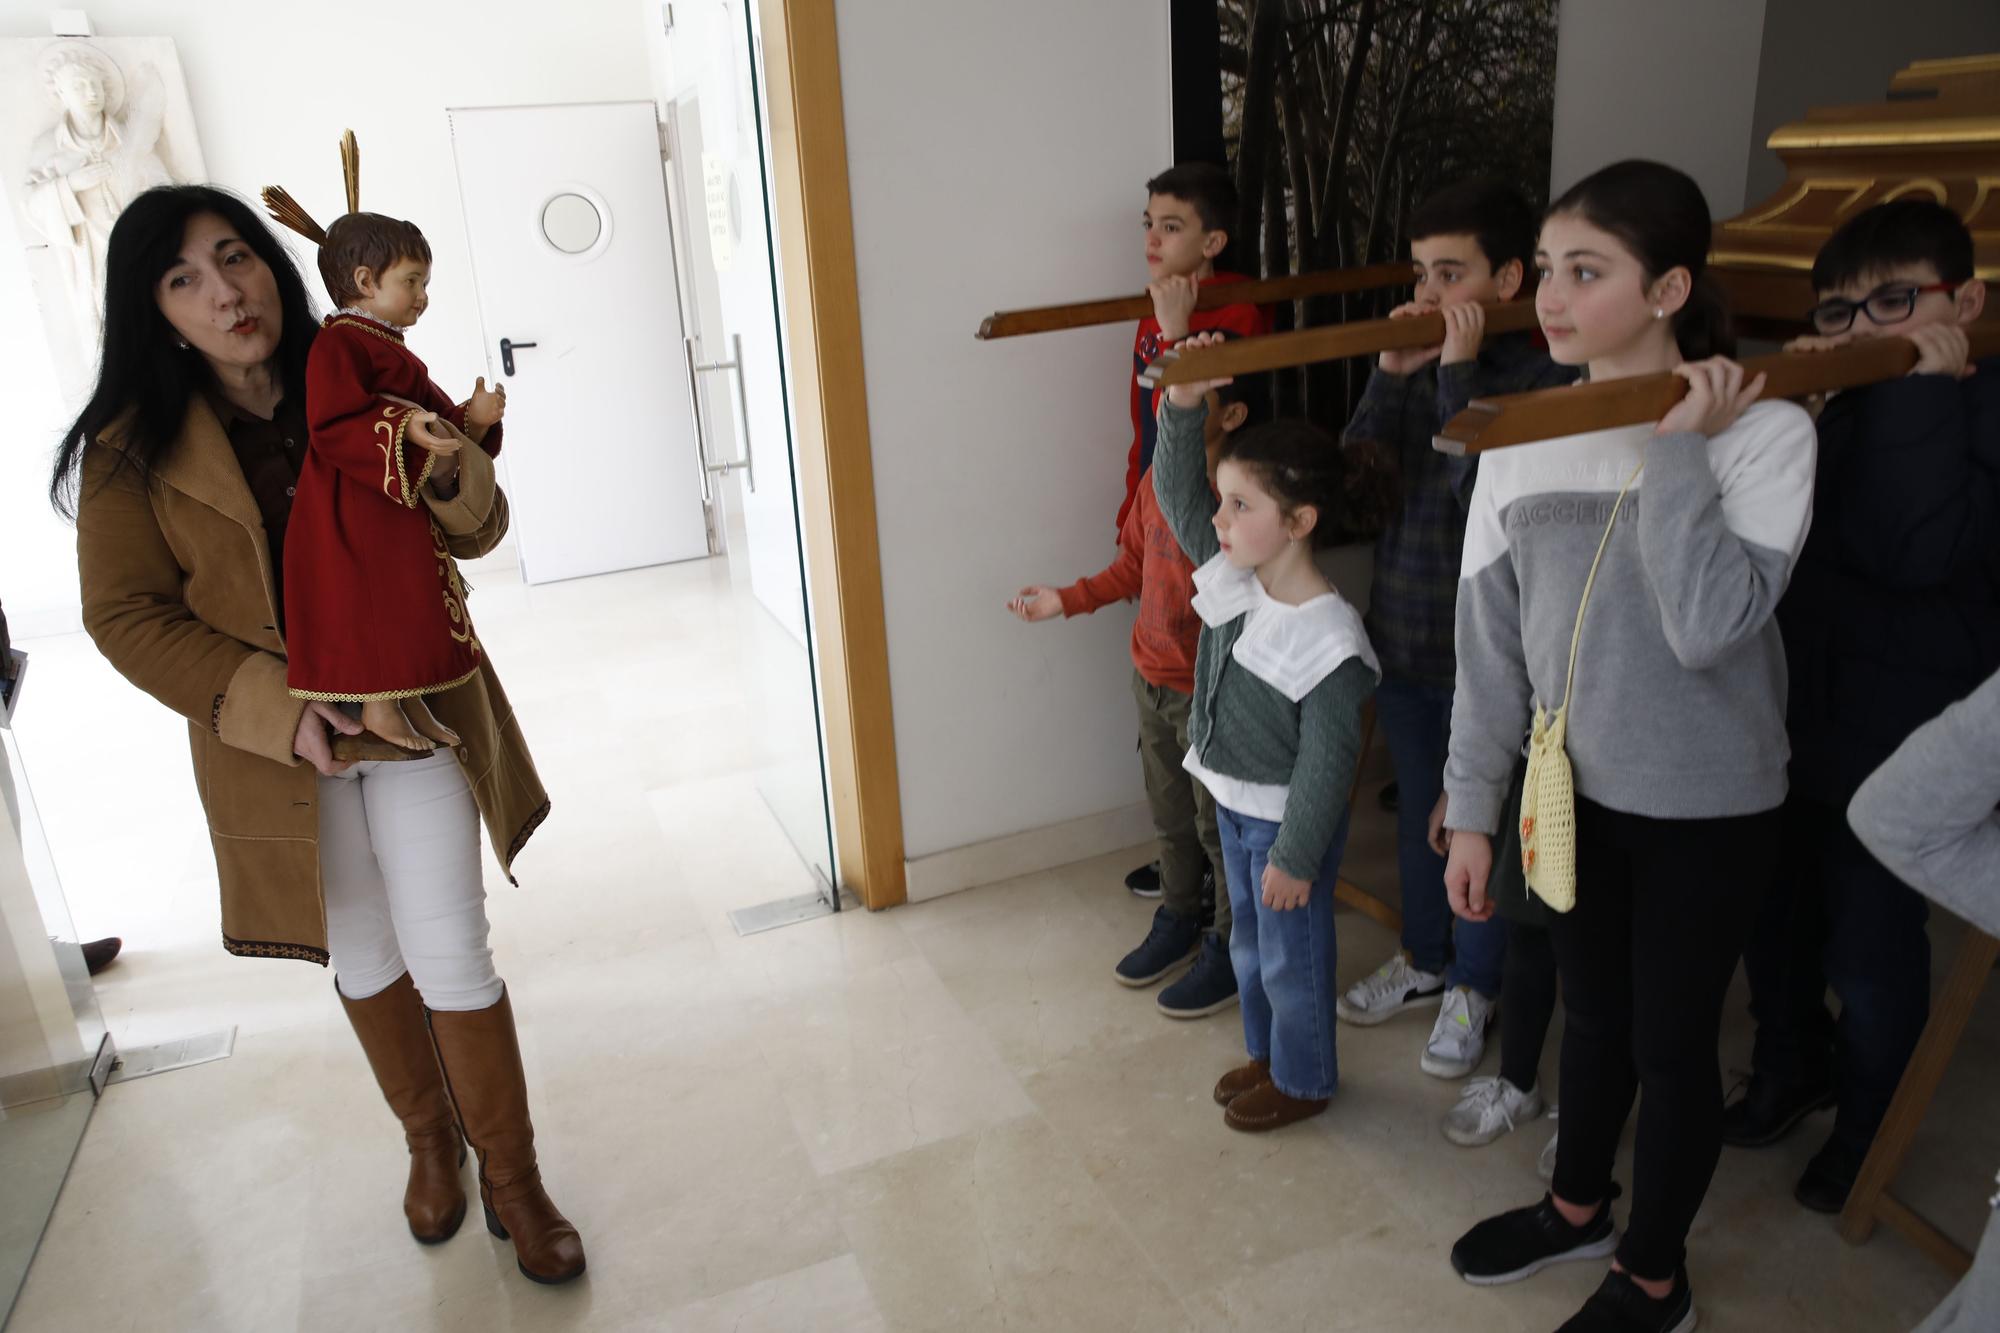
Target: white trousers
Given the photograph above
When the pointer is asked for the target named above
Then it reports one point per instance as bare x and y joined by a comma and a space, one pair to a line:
399, 868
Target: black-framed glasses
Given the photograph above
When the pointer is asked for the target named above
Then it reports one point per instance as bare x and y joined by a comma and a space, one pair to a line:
1885, 306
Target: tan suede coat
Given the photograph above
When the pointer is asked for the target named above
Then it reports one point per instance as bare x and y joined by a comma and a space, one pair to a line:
178, 595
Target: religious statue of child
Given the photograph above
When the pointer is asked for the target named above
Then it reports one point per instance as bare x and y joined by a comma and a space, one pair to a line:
375, 609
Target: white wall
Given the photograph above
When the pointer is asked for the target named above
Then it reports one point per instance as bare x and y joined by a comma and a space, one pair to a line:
273, 86
1673, 82
997, 154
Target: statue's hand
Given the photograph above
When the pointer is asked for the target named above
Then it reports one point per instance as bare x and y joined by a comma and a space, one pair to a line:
425, 429
95, 173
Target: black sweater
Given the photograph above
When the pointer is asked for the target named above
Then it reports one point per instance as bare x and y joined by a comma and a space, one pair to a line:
1894, 609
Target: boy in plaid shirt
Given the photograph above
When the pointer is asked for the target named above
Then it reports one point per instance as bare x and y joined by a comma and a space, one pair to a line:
1470, 242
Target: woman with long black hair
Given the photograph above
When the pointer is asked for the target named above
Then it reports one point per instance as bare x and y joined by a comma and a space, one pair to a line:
179, 474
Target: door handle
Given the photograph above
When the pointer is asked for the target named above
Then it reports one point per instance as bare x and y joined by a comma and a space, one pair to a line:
746, 463
507, 346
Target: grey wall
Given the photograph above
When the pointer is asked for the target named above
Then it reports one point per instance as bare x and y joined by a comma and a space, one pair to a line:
1837, 52
1674, 82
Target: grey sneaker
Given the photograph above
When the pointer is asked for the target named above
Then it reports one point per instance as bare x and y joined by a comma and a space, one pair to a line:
1488, 1108
1458, 1039
1388, 991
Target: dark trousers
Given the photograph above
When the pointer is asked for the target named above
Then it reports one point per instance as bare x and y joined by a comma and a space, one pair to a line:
1183, 811
1527, 1003
1416, 722
1837, 915
1662, 909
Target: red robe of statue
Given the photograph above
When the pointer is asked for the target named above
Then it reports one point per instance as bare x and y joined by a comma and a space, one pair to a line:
374, 607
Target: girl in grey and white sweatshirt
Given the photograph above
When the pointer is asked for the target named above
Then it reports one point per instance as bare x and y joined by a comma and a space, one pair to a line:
1676, 722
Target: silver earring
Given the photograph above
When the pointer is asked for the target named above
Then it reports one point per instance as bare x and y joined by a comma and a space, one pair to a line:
1659, 313
181, 343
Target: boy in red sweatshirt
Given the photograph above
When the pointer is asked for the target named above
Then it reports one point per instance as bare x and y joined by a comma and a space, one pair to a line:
1189, 210
1152, 568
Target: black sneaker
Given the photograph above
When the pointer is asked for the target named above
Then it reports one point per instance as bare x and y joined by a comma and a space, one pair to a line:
1170, 941
1618, 1306
1829, 1177
1771, 1107
1208, 987
1523, 1242
1145, 881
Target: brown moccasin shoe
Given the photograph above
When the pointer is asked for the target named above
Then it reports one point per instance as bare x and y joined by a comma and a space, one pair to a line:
1241, 1080
1265, 1108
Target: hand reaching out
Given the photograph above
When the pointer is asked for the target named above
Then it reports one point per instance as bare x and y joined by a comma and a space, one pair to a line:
487, 406
1036, 603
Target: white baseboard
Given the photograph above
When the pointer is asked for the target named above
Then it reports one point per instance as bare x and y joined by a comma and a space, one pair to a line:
1025, 853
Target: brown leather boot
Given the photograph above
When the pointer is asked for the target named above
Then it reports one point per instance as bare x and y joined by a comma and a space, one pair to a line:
392, 1032
1240, 1080
482, 1072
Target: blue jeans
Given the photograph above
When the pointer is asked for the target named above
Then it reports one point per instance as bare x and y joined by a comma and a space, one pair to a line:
1416, 720
1283, 960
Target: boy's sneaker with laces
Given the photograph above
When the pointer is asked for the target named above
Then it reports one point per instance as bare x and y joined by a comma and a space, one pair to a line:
1206, 988
1458, 1039
1488, 1108
1619, 1306
1166, 945
1145, 881
1523, 1242
1388, 991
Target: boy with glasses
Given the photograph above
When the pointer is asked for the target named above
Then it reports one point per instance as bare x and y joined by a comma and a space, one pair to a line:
1893, 612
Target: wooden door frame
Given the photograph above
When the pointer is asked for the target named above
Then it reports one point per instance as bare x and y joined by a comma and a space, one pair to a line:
814, 219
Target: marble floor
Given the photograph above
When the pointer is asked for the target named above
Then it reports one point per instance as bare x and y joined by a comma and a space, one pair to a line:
946, 1116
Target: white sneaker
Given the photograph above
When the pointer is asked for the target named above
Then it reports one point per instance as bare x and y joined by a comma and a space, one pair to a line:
1388, 991
1458, 1040
1546, 1167
1488, 1108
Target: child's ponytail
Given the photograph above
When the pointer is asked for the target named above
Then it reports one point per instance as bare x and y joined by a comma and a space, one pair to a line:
1702, 327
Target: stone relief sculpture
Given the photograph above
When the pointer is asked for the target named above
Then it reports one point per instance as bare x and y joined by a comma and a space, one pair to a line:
91, 123
96, 158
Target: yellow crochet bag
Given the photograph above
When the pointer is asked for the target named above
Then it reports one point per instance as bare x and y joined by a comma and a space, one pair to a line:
1548, 796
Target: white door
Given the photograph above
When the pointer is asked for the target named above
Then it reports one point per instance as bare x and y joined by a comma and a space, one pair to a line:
572, 253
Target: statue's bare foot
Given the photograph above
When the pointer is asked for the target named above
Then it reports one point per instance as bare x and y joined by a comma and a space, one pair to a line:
427, 724
385, 718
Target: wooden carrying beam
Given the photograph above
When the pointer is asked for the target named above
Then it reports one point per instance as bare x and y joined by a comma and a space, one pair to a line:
1259, 291
1547, 414
1327, 342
